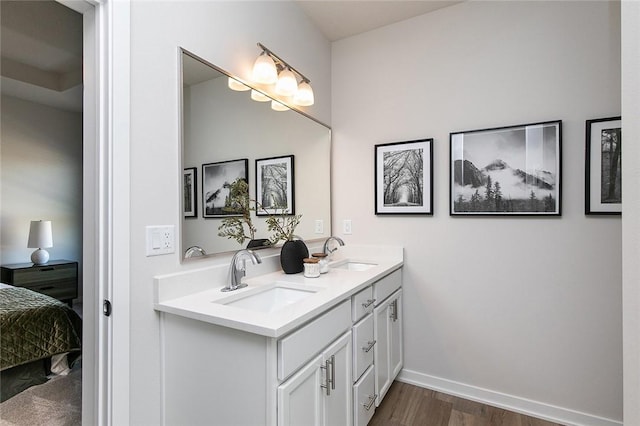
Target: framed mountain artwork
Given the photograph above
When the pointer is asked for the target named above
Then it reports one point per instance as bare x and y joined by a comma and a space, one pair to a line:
506, 171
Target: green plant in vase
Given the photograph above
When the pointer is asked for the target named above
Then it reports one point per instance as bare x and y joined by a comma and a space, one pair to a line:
239, 227
283, 226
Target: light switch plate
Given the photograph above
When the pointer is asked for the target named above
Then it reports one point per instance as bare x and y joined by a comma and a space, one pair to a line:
160, 240
346, 227
319, 226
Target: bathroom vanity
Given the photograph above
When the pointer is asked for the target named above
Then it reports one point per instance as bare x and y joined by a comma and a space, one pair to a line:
285, 350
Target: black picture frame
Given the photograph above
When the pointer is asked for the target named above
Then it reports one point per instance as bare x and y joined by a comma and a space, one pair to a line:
525, 161
404, 177
603, 158
275, 185
189, 192
216, 179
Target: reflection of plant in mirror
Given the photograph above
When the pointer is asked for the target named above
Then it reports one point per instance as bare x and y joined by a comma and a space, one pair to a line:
238, 203
282, 225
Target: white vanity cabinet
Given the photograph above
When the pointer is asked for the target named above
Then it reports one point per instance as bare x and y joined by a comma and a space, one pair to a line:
320, 392
330, 368
388, 348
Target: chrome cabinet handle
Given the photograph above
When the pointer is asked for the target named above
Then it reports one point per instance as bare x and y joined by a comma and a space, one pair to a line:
393, 310
327, 377
369, 404
333, 372
368, 303
368, 348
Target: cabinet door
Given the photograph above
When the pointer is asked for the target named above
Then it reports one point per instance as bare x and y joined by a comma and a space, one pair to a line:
338, 405
381, 349
300, 399
395, 336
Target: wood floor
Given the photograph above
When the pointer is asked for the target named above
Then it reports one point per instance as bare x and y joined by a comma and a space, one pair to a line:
408, 405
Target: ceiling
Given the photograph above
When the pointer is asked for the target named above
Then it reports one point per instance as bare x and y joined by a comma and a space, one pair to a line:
339, 19
41, 41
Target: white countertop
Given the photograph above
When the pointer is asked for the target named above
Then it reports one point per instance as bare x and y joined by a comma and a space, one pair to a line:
332, 287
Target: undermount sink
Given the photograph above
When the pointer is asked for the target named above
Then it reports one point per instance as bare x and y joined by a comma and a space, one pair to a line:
269, 298
354, 266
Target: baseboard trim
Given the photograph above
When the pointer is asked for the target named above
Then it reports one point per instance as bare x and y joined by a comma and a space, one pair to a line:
512, 403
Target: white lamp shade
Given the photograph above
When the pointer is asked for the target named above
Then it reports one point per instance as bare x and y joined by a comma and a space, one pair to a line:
287, 83
277, 106
304, 95
237, 86
258, 96
40, 234
264, 70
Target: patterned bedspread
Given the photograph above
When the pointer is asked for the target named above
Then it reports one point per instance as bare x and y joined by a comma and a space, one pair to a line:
34, 326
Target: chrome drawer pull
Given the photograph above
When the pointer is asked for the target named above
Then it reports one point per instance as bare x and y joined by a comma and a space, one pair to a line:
368, 303
333, 371
368, 348
372, 398
327, 377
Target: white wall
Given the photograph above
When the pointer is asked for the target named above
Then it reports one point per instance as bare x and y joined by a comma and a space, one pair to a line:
41, 178
224, 33
523, 312
631, 214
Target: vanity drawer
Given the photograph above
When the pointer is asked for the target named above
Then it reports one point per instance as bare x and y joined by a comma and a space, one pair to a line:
364, 398
362, 304
301, 345
363, 343
386, 286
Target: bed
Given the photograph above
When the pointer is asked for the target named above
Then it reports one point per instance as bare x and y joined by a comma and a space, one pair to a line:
34, 330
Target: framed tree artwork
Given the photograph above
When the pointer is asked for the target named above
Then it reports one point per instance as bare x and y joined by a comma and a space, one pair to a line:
603, 166
189, 191
404, 177
216, 182
506, 171
275, 189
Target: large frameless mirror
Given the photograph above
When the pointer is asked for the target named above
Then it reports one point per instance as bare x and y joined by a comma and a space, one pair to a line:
227, 135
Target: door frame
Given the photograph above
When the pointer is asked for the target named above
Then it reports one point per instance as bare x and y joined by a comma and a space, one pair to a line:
106, 177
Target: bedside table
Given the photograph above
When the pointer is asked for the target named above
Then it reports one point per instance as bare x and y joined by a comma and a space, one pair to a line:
56, 278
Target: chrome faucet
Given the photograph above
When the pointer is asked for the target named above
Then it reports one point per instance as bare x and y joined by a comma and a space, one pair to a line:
326, 249
238, 268
194, 251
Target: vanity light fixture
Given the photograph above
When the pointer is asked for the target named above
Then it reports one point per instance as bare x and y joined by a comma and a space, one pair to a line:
264, 69
269, 68
259, 96
277, 106
237, 86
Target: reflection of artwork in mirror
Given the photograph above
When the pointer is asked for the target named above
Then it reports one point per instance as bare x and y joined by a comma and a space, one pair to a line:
189, 190
603, 167
404, 177
275, 185
216, 181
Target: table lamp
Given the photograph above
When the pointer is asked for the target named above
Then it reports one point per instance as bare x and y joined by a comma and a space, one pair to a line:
40, 237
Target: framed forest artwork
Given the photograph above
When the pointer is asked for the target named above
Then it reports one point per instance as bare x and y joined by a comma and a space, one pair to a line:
404, 177
275, 186
603, 166
506, 171
216, 183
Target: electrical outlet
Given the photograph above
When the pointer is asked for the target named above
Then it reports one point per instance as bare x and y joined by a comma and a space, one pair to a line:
160, 240
319, 226
346, 227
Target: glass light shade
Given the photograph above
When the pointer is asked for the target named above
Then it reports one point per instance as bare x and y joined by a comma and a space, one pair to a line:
277, 106
304, 95
260, 97
287, 83
237, 86
264, 70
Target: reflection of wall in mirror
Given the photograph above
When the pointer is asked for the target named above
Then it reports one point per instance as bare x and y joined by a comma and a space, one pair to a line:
221, 125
